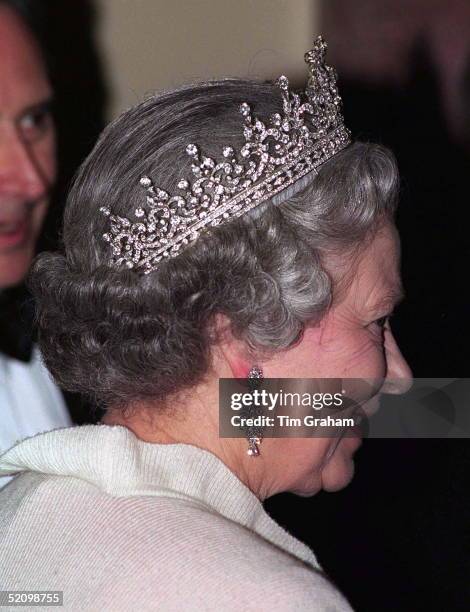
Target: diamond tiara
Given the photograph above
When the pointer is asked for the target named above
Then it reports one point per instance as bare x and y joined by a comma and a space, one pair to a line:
275, 155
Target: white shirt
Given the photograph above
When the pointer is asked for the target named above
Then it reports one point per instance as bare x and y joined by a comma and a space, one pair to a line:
30, 402
119, 525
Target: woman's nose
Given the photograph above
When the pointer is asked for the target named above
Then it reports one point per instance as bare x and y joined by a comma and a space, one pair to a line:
399, 378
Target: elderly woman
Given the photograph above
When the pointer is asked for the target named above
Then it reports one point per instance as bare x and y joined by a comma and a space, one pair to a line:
224, 230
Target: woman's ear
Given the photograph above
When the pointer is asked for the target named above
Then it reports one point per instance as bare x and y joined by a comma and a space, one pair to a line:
230, 349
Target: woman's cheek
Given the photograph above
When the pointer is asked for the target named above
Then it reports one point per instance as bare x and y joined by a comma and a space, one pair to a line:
363, 355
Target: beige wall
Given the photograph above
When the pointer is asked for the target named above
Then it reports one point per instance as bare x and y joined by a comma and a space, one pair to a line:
148, 45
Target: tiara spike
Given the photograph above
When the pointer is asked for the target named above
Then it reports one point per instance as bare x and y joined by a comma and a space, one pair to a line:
278, 151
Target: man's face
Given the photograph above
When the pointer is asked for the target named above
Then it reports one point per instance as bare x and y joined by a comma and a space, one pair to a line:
27, 147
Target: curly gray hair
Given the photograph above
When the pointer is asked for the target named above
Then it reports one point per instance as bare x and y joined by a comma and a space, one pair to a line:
120, 337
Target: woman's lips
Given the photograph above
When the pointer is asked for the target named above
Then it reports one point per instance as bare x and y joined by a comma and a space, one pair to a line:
14, 234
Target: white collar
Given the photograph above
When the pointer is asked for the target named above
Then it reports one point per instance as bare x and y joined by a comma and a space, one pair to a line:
115, 460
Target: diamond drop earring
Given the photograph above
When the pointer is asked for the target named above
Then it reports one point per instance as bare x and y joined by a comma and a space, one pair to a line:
254, 435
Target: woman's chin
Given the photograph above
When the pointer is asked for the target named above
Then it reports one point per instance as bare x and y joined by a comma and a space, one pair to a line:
335, 475
339, 470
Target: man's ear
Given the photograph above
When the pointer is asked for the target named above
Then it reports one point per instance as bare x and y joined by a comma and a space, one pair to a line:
233, 351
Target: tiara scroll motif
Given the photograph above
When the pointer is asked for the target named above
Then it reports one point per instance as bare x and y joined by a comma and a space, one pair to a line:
275, 155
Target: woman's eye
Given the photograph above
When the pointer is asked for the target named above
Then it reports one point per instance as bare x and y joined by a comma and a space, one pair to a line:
382, 322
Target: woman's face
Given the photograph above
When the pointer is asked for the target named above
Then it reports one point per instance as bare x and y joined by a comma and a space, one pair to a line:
354, 340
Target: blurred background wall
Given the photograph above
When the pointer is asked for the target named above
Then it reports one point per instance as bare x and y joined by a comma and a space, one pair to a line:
149, 45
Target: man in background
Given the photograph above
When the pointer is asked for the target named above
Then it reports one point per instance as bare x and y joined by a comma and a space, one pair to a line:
29, 400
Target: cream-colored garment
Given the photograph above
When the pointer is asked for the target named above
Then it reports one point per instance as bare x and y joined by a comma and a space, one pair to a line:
120, 524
